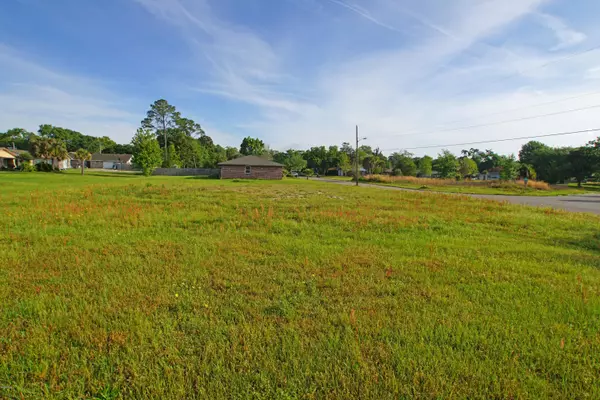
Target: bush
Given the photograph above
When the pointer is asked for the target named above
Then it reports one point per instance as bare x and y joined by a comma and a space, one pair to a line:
308, 172
44, 167
27, 167
25, 156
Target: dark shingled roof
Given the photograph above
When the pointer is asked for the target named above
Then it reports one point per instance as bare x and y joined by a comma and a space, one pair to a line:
111, 157
251, 161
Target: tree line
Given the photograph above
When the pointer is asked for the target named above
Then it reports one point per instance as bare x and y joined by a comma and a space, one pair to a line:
168, 139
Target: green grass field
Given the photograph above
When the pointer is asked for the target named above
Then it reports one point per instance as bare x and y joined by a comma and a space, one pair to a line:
556, 191
121, 287
474, 187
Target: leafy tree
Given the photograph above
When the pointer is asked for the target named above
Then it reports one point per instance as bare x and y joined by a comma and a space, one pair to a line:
188, 127
232, 152
551, 164
446, 164
530, 152
17, 137
146, 151
252, 147
527, 171
488, 160
475, 155
25, 156
343, 162
425, 166
105, 143
218, 155
83, 155
404, 163
207, 142
173, 161
316, 157
509, 168
374, 164
584, 161
467, 167
120, 149
161, 117
191, 153
348, 149
294, 161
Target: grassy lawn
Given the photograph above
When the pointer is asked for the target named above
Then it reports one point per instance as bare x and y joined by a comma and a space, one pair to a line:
588, 187
473, 187
493, 191
120, 286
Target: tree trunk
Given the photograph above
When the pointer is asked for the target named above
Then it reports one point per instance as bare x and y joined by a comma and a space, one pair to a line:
82, 166
578, 183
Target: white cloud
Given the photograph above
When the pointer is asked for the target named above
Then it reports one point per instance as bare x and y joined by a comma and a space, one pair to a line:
400, 91
244, 67
408, 88
32, 95
566, 36
452, 61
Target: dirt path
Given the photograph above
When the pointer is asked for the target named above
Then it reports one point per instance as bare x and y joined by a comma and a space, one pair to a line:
589, 203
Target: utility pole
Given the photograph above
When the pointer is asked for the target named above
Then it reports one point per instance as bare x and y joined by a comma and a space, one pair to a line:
356, 157
356, 161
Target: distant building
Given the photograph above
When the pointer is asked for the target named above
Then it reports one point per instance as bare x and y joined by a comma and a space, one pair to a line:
7, 159
110, 161
492, 175
251, 167
13, 160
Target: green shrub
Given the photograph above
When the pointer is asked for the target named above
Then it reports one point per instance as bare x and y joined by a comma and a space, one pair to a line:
43, 167
27, 167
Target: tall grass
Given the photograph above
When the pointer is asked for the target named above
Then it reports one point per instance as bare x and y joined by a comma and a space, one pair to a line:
175, 288
537, 185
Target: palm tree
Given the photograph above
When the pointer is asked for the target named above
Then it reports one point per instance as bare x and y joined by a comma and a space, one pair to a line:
57, 151
40, 147
83, 155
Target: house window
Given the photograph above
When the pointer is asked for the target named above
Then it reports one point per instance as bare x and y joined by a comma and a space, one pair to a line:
248, 170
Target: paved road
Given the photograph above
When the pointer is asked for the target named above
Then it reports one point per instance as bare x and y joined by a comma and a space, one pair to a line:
589, 203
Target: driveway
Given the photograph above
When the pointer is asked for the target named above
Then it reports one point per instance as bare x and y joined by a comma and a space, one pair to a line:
589, 203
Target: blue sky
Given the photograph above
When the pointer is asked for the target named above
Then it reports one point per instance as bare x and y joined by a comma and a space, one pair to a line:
304, 72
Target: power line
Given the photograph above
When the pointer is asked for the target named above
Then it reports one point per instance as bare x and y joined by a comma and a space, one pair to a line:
416, 131
497, 140
501, 122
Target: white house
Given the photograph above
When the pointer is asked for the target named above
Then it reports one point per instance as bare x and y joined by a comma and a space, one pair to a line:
111, 161
492, 175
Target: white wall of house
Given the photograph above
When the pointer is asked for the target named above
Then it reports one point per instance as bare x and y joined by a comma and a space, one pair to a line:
64, 164
491, 176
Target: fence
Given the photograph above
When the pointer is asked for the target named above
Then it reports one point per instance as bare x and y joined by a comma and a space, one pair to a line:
187, 171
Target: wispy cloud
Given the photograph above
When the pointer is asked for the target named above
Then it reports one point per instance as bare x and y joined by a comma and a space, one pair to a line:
243, 66
32, 94
565, 35
365, 14
403, 89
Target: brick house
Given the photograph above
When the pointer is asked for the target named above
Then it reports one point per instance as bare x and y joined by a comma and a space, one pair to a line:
251, 167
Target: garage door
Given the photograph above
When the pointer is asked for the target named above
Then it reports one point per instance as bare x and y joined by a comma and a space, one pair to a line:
108, 165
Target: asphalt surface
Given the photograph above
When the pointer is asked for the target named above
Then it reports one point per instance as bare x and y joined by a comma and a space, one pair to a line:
589, 203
